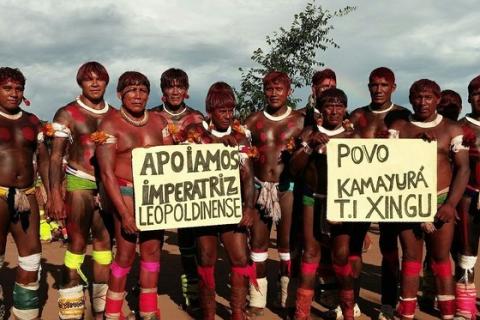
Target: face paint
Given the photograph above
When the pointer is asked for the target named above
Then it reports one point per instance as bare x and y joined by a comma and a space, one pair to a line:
5, 134
28, 133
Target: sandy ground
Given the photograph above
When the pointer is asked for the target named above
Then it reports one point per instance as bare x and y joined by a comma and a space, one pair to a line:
169, 290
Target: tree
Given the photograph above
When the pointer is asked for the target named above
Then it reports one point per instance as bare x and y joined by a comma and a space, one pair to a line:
292, 51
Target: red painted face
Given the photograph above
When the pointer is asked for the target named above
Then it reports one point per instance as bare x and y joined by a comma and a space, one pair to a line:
175, 94
28, 133
381, 90
424, 104
333, 114
135, 98
94, 88
276, 94
11, 95
222, 117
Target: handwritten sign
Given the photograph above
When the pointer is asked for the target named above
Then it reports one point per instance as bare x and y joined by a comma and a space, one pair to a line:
381, 180
186, 186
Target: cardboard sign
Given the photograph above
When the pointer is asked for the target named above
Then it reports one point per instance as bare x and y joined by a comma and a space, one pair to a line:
190, 185
381, 180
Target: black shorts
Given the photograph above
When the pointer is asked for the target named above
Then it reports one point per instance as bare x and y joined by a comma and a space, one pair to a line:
218, 230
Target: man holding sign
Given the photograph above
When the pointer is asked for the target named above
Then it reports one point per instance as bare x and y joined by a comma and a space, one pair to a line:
427, 124
220, 105
372, 121
130, 127
174, 84
311, 160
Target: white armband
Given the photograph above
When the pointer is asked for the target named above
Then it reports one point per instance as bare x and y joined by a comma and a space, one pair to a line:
61, 131
393, 134
456, 144
40, 137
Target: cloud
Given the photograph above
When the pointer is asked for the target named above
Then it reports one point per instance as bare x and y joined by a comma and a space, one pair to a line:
210, 39
430, 39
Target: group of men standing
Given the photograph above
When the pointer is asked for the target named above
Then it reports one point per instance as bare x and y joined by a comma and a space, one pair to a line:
89, 183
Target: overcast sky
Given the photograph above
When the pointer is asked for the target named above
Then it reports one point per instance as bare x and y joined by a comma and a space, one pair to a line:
48, 40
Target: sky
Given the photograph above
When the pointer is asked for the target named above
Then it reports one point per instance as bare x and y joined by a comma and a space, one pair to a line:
210, 39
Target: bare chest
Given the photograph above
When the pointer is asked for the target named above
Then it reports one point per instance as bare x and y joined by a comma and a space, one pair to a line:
142, 137
17, 133
267, 132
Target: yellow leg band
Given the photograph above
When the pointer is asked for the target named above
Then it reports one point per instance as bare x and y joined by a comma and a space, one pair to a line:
102, 257
75, 261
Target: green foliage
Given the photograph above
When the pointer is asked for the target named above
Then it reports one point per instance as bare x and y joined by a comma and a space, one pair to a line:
292, 51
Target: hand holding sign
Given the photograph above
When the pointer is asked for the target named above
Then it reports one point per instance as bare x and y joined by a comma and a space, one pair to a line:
128, 224
248, 217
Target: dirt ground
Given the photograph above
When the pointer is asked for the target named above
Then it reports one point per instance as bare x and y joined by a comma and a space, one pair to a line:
169, 289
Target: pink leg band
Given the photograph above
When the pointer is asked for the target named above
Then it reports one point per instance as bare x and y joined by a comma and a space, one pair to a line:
442, 269
447, 307
147, 302
466, 298
119, 272
308, 268
248, 271
411, 268
150, 266
206, 276
343, 271
406, 308
353, 258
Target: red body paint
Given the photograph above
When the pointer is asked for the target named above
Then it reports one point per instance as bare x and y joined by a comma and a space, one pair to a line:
76, 114
28, 133
5, 134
